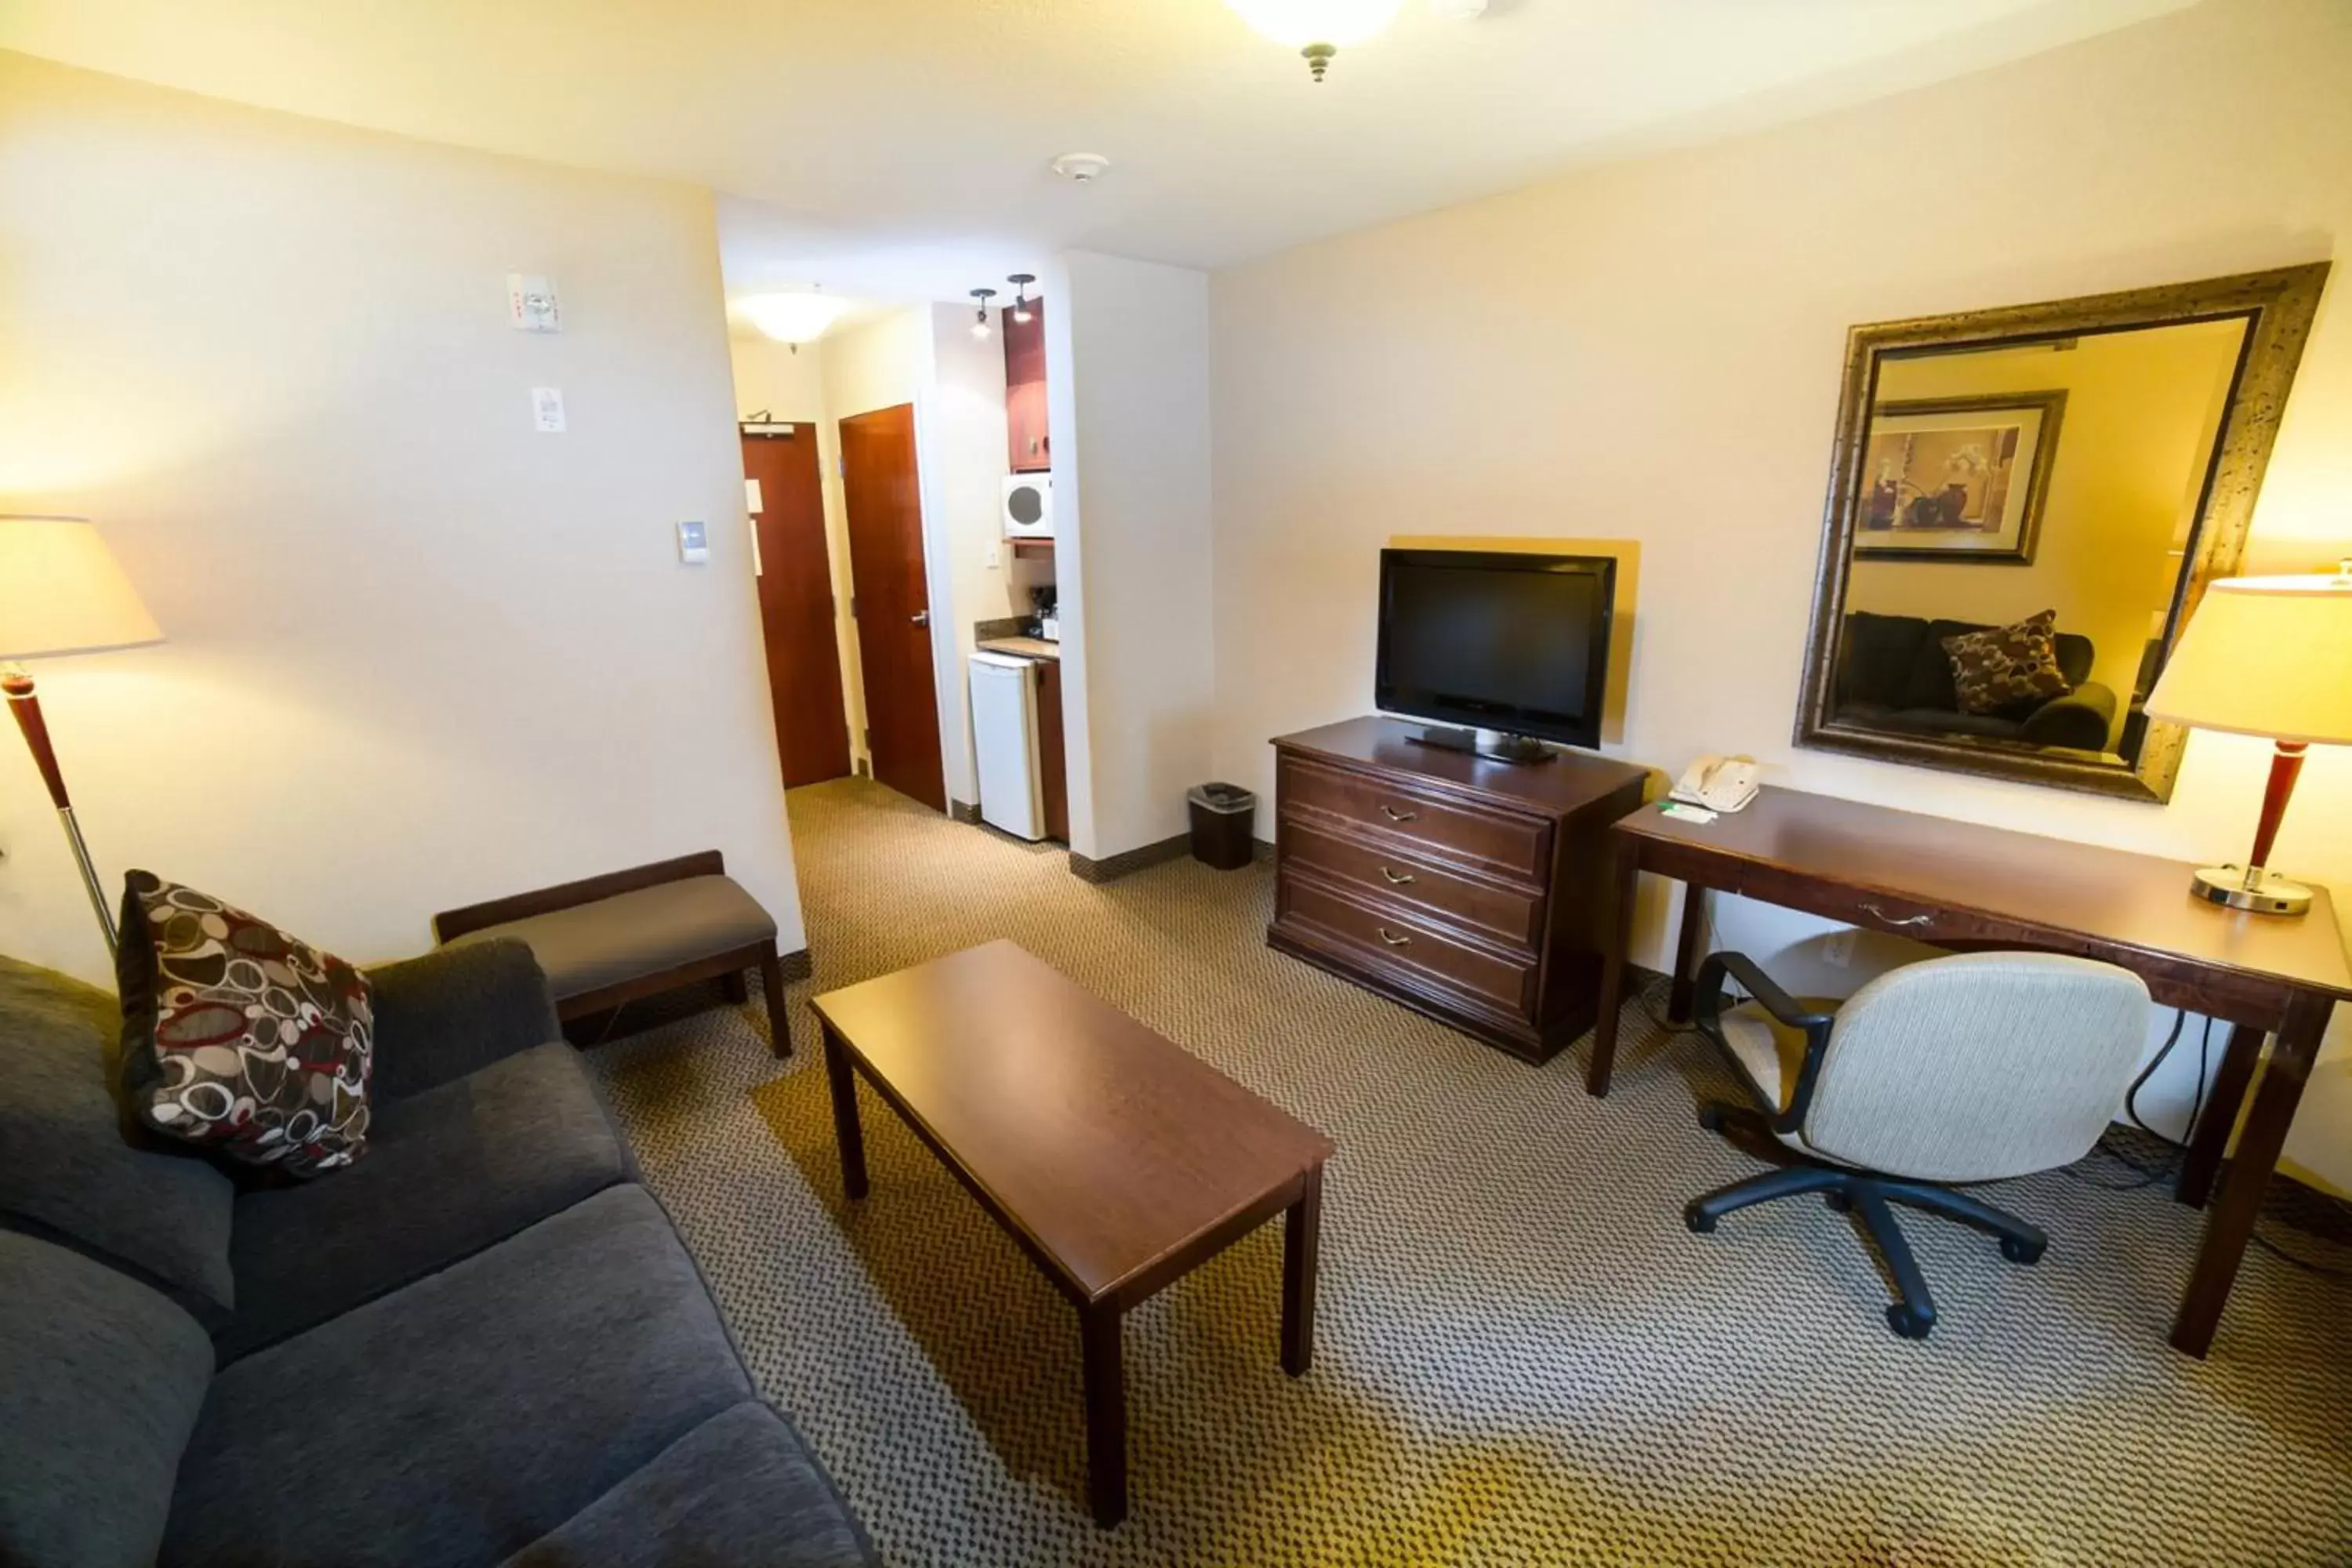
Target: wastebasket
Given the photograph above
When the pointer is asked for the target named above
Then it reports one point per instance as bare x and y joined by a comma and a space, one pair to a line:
1222, 814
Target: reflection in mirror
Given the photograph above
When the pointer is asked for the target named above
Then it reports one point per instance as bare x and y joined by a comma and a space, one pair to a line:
2024, 522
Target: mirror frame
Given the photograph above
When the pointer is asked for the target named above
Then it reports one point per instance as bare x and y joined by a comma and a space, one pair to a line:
2278, 306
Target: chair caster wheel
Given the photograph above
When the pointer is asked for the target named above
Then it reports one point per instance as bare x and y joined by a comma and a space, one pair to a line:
1908, 1323
1698, 1219
2018, 1251
1838, 1203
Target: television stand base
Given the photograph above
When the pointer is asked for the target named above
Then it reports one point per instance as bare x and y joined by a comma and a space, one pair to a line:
1502, 748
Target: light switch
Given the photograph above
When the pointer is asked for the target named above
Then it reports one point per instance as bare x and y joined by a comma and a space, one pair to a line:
693, 544
546, 409
995, 556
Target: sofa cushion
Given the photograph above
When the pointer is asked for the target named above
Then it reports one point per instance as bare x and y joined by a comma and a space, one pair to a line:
238, 1036
459, 1419
1876, 667
102, 1380
68, 1173
448, 1173
2007, 670
634, 934
740, 1487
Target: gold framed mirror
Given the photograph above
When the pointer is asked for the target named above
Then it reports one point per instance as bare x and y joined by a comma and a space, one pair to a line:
2025, 504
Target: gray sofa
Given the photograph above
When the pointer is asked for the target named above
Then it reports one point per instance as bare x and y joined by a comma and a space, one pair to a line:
482, 1344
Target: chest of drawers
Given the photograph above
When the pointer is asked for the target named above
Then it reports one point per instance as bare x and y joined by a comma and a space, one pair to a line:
1476, 891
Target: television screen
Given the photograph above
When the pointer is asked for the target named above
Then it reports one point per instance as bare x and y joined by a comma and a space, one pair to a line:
1497, 641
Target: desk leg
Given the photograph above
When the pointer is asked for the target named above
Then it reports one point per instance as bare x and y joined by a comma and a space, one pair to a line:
1106, 1382
1687, 954
845, 1130
1302, 1226
1612, 968
2209, 1140
2232, 1222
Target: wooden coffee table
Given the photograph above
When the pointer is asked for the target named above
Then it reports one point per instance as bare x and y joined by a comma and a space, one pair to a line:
1118, 1161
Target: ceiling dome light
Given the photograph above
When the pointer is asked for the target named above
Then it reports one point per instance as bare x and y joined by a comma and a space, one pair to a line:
791, 318
1318, 28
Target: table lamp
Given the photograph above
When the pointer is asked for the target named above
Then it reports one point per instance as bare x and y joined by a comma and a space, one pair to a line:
60, 593
2270, 657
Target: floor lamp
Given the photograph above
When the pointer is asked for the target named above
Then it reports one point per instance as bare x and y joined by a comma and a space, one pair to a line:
60, 593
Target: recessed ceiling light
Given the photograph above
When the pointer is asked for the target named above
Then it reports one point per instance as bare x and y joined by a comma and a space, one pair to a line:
791, 318
1083, 167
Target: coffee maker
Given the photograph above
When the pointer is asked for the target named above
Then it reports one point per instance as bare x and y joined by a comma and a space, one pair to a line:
1042, 600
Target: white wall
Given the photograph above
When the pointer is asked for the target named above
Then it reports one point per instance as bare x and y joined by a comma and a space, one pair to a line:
1128, 380
420, 655
1652, 349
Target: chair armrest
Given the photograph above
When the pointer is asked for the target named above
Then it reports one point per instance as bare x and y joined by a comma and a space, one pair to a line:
455, 1009
2081, 719
1707, 1013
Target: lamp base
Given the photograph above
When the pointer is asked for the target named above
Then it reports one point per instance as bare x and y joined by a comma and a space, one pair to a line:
2263, 891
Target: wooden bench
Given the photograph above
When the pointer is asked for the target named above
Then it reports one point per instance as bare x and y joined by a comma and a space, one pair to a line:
612, 939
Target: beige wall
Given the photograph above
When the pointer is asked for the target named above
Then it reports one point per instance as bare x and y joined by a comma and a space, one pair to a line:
1653, 350
420, 655
2142, 411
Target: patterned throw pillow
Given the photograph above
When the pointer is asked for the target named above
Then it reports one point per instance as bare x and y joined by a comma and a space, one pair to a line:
239, 1038
2008, 666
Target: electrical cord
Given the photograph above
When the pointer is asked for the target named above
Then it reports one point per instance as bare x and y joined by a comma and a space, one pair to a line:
2149, 1175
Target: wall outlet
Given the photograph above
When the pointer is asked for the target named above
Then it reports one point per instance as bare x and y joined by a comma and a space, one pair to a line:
1837, 952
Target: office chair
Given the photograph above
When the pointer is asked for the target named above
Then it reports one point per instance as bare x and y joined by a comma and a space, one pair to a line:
1969, 1068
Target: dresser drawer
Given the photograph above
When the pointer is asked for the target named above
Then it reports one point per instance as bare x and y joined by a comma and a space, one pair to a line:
1386, 936
1509, 914
1503, 843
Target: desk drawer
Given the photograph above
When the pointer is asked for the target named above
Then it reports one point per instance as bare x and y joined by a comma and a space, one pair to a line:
1387, 935
1507, 845
1509, 914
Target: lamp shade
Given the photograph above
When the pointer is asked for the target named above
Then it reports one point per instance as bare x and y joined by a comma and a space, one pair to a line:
1299, 22
61, 592
2265, 655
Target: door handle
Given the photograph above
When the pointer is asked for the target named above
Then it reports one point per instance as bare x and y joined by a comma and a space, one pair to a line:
1391, 938
1396, 879
1393, 814
921, 618
1890, 920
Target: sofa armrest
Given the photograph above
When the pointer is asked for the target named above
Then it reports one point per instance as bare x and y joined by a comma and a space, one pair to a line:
2081, 719
441, 1017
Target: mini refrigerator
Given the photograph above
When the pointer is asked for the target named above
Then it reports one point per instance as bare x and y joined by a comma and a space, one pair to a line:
1004, 737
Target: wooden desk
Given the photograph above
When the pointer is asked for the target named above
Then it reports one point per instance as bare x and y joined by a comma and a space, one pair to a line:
1960, 886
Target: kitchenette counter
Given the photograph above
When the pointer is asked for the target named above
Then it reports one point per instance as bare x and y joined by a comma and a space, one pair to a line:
1028, 647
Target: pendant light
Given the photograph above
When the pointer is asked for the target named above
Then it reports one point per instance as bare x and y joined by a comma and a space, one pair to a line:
1021, 281
980, 311
1318, 28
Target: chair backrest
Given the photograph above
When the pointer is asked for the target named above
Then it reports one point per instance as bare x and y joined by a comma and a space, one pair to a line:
1978, 1066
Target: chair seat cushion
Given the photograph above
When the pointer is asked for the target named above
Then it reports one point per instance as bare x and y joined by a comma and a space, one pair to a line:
104, 1379
634, 934
740, 1487
67, 1171
459, 1419
448, 1172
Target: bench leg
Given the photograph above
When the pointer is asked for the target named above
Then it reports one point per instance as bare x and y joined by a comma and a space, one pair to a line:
771, 981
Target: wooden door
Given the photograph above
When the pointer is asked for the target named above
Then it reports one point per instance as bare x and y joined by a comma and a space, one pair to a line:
1030, 449
893, 602
796, 611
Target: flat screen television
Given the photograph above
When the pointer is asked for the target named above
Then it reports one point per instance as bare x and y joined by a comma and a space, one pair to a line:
1515, 643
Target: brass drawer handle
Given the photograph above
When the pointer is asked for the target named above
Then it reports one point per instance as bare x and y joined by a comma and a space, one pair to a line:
1393, 814
1396, 879
1890, 920
1393, 939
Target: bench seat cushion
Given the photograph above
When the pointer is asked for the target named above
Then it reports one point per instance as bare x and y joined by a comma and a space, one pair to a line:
740, 1487
68, 1173
634, 934
104, 1377
461, 1419
447, 1173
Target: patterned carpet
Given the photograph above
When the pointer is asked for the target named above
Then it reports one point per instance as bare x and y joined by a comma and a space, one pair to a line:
1522, 1356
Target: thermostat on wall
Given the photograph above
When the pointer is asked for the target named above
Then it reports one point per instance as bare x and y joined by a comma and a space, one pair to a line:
530, 304
693, 547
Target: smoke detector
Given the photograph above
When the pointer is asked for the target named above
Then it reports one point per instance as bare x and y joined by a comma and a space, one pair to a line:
1083, 167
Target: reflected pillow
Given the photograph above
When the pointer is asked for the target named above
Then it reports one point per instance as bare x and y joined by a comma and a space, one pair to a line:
2008, 667
237, 1037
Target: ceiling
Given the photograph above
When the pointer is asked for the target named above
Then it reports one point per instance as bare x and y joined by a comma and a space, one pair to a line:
898, 148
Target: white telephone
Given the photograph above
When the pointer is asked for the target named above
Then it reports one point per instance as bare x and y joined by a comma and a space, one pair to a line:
1718, 783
